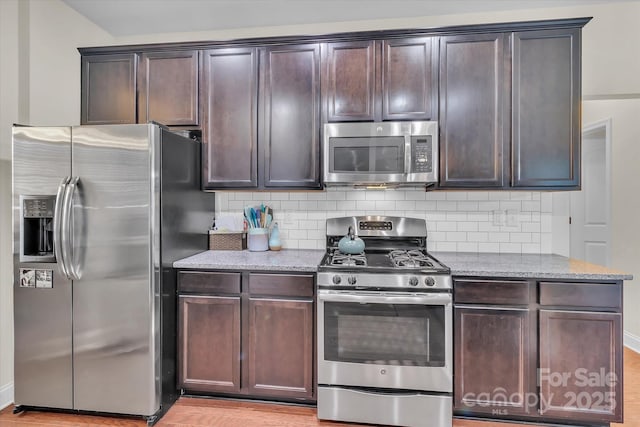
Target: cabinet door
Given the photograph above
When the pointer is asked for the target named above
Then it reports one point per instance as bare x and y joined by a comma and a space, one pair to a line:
350, 81
290, 112
230, 91
209, 343
473, 107
281, 348
494, 370
108, 89
581, 366
546, 109
168, 88
409, 79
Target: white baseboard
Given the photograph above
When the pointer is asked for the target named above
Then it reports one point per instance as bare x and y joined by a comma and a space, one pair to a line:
632, 341
6, 395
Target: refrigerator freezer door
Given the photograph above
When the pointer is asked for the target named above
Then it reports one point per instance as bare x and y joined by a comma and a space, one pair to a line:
114, 324
42, 315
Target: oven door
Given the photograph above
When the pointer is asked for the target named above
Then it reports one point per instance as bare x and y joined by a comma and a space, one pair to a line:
387, 340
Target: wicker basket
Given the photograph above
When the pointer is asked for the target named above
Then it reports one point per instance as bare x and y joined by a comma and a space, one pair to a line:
227, 241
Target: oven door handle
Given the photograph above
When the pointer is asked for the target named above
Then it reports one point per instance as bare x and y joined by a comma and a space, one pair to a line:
385, 298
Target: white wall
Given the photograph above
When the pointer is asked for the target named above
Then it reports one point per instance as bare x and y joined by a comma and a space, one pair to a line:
9, 19
625, 197
39, 85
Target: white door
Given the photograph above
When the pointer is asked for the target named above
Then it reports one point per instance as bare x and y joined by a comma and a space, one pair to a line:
590, 208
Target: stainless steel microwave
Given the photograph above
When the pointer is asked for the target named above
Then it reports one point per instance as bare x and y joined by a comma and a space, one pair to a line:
380, 154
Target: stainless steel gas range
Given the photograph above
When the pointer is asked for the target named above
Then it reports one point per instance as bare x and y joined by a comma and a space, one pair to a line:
384, 327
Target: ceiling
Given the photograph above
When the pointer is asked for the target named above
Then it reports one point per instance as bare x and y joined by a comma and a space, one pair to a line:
136, 17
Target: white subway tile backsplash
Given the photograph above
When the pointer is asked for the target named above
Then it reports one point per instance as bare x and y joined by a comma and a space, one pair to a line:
447, 206
317, 196
511, 248
397, 195
467, 226
446, 226
365, 205
408, 205
424, 205
298, 196
456, 195
456, 236
456, 220
467, 247
389, 205
478, 237
446, 246
306, 205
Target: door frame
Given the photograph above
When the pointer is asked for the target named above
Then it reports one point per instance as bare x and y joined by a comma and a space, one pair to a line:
605, 125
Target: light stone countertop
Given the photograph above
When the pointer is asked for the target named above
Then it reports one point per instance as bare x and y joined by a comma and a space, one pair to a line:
546, 266
284, 260
461, 264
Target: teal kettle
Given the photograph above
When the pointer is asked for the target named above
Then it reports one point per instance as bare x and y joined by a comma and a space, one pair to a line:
351, 244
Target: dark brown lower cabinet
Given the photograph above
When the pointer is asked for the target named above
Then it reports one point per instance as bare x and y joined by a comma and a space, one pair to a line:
281, 347
209, 342
547, 351
581, 365
494, 360
247, 334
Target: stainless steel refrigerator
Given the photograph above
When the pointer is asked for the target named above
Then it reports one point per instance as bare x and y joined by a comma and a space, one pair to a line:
100, 213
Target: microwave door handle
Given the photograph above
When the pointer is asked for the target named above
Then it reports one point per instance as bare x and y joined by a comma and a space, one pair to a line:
57, 226
407, 153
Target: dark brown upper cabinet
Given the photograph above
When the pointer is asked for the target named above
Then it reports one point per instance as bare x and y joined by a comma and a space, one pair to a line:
349, 80
168, 88
289, 134
372, 80
546, 109
230, 112
474, 120
410, 79
108, 89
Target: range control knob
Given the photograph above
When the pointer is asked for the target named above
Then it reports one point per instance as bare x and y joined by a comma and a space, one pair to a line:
352, 280
337, 279
430, 281
413, 281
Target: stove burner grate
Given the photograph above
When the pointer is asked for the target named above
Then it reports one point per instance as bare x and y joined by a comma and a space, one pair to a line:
410, 258
348, 260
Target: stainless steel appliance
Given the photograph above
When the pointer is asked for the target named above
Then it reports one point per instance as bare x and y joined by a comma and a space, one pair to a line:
100, 214
384, 327
381, 154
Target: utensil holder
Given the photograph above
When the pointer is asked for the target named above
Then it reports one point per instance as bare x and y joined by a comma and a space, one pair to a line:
258, 239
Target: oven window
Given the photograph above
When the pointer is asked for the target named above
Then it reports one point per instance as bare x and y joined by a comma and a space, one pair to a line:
384, 334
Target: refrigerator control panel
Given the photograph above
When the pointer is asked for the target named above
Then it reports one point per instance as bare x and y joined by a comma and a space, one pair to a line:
38, 208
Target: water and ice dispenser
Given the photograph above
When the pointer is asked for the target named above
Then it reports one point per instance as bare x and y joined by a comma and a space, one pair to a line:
36, 228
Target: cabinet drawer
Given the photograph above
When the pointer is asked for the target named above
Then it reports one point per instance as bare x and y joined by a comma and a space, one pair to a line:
209, 282
281, 285
581, 294
471, 291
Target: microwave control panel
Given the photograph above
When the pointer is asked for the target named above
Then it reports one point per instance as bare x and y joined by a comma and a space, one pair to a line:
421, 154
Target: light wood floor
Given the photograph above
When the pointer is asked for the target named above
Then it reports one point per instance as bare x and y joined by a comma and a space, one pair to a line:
192, 412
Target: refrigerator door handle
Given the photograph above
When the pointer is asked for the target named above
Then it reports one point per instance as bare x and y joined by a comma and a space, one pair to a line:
66, 228
57, 225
